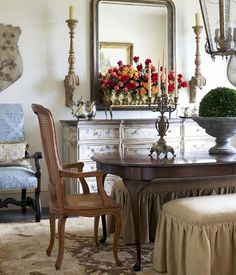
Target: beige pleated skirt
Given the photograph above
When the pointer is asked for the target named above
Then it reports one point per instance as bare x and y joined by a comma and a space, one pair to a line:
197, 236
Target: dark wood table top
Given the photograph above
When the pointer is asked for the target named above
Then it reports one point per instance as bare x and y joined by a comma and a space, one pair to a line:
140, 160
143, 167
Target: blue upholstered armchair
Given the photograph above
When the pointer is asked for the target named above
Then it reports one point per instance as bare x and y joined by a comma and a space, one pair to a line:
15, 168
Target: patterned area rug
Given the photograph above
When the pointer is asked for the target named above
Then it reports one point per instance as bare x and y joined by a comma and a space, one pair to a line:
23, 245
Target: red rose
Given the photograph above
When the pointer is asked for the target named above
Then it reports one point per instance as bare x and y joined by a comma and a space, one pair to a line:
154, 77
136, 59
184, 84
171, 76
120, 63
147, 61
124, 78
140, 67
111, 83
171, 88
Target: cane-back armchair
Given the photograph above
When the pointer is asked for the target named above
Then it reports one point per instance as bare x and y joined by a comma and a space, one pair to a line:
61, 203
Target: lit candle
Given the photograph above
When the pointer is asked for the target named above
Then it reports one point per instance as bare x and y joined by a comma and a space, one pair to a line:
198, 19
159, 79
150, 80
72, 12
176, 80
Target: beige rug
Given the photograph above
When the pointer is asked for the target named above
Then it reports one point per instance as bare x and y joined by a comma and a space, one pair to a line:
23, 245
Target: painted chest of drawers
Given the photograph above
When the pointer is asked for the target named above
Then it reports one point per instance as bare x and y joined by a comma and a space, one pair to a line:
84, 138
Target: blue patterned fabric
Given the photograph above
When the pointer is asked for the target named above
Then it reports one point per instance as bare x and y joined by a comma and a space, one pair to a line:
13, 177
11, 122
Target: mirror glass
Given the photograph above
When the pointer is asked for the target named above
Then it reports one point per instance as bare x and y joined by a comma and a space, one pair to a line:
123, 29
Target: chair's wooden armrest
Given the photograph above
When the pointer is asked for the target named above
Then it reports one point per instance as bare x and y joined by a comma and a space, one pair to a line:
100, 178
36, 156
78, 165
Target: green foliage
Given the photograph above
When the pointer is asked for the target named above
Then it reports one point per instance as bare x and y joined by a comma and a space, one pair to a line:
219, 102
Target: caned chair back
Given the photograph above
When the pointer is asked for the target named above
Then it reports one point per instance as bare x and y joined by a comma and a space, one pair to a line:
50, 148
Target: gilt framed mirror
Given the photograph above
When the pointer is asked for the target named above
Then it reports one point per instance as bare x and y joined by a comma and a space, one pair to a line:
148, 25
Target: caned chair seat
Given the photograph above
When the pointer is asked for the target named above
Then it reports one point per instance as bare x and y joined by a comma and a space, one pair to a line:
87, 201
197, 236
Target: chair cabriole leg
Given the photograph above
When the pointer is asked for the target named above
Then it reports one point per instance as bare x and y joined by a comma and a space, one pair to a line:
52, 221
61, 239
118, 224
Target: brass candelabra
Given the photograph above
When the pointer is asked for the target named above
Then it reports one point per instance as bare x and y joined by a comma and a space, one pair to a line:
197, 80
71, 79
163, 105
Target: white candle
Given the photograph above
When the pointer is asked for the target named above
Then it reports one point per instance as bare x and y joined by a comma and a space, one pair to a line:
166, 82
163, 67
166, 79
72, 12
176, 80
150, 80
159, 79
198, 19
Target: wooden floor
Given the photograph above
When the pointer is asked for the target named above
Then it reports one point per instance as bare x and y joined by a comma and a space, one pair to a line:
10, 215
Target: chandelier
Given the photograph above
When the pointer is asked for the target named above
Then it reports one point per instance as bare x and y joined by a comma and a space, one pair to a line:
219, 18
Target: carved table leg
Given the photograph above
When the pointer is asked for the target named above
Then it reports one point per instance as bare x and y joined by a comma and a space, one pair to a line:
134, 188
104, 230
104, 226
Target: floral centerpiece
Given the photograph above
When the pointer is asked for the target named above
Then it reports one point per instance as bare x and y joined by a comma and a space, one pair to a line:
128, 84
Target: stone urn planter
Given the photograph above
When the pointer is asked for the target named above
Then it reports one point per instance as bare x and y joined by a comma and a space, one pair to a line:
222, 128
217, 115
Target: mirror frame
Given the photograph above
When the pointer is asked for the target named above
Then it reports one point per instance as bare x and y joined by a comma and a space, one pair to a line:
171, 17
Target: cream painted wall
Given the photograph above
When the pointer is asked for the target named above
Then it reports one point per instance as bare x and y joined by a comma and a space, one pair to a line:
44, 46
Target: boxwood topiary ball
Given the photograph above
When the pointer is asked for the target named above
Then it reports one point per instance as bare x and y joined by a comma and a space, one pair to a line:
219, 102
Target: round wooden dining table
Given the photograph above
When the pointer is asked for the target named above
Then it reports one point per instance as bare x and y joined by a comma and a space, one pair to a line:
138, 170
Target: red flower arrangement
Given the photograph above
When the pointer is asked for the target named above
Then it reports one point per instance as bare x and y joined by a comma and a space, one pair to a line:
134, 80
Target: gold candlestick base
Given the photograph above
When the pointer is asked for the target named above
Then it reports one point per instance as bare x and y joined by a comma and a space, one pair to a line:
162, 124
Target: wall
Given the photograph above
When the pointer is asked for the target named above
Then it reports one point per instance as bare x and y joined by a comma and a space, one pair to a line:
44, 45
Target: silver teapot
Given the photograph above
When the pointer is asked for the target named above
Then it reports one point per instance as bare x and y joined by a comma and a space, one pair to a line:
85, 109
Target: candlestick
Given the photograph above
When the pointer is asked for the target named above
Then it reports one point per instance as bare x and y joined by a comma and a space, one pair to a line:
162, 105
162, 124
72, 12
197, 80
149, 79
71, 79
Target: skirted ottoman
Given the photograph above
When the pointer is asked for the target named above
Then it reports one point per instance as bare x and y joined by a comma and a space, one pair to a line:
197, 236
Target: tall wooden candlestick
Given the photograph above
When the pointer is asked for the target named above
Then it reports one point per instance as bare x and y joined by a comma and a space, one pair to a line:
71, 80
197, 80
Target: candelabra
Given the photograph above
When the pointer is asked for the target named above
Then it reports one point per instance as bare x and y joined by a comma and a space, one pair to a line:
162, 105
71, 80
197, 80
